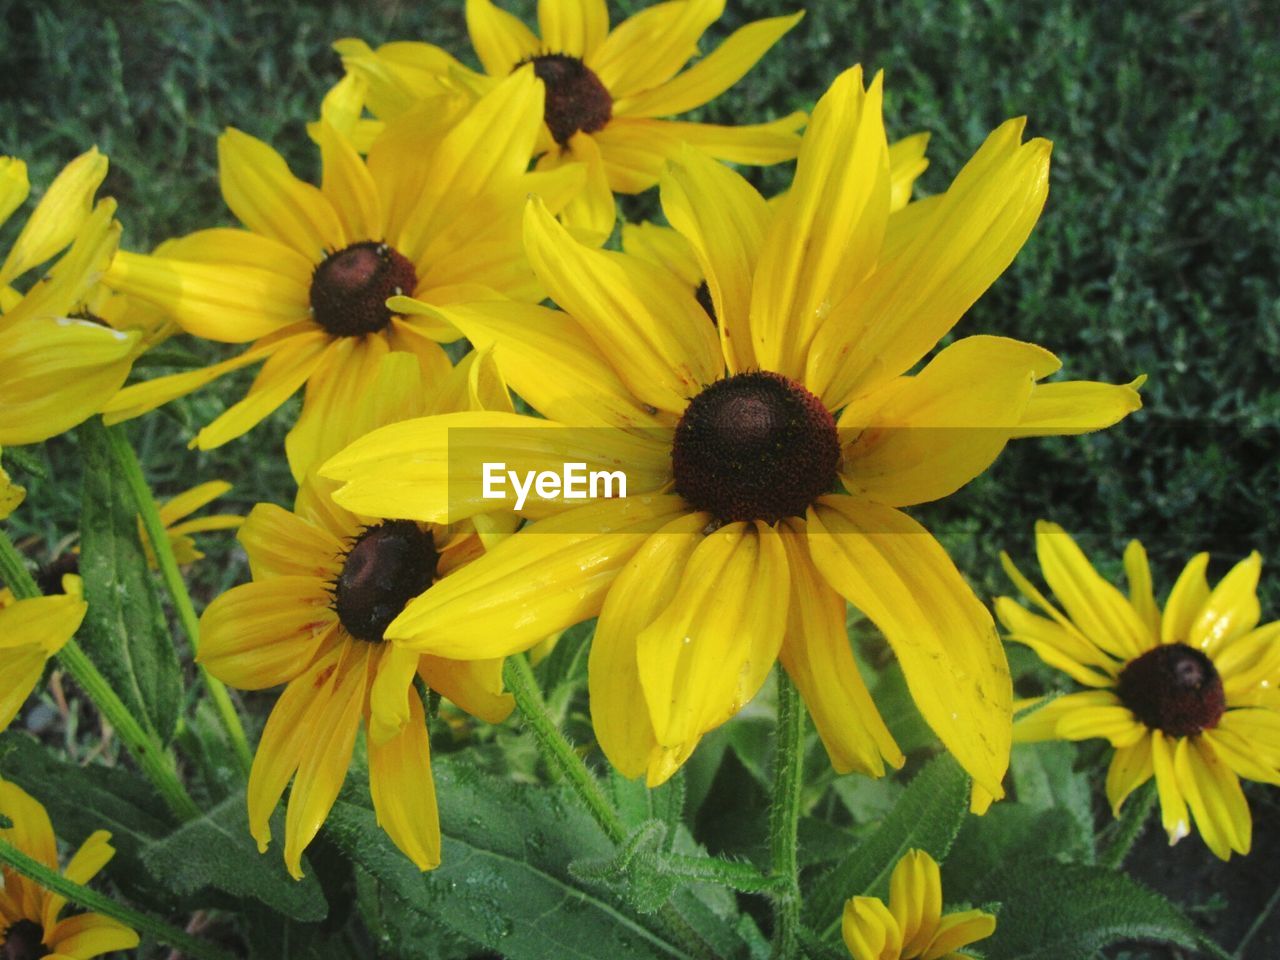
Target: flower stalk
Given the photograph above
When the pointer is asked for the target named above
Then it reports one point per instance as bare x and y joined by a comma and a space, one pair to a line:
784, 819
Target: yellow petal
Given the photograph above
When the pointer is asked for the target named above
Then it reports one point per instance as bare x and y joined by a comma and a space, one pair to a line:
1070, 407
1138, 572
11, 495
662, 247
1173, 808
712, 75
1232, 609
1213, 793
343, 110
966, 240
474, 685
891, 569
828, 229
869, 930
397, 77
191, 500
543, 579
14, 186
1130, 768
1113, 722
283, 544
709, 651
500, 39
325, 757
347, 184
1250, 665
1063, 648
724, 220
268, 199
645, 587
942, 427
1248, 741
404, 792
915, 899
592, 213
906, 162
1186, 600
1046, 722
818, 657
575, 27
85, 864
58, 216
391, 693
957, 930
1102, 612
647, 49
642, 318
89, 935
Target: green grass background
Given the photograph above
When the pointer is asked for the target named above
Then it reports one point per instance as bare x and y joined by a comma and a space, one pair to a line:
1157, 253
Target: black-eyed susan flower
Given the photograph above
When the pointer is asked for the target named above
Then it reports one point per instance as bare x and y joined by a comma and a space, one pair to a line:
32, 631
29, 914
771, 451
326, 583
912, 925
607, 90
1187, 694
433, 212
57, 368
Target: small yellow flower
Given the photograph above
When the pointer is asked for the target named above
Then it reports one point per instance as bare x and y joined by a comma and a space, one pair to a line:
32, 631
912, 926
606, 89
1187, 695
434, 211
325, 584
174, 516
57, 368
29, 924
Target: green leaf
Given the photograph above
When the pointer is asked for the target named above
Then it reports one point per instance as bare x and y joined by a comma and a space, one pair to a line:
504, 879
1066, 911
1007, 833
124, 630
927, 817
216, 852
1045, 778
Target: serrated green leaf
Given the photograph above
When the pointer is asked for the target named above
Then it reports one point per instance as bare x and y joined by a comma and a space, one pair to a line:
216, 852
124, 631
1044, 778
927, 818
1067, 911
1007, 833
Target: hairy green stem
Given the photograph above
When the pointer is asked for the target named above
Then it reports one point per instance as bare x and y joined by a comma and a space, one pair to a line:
149, 752
784, 819
1132, 819
82, 896
745, 877
162, 550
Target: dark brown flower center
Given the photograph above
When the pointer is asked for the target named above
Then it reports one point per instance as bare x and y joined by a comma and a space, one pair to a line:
575, 100
23, 941
386, 567
755, 446
349, 289
703, 294
1174, 688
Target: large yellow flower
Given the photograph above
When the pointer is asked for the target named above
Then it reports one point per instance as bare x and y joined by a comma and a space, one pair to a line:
29, 924
824, 303
1187, 695
56, 368
325, 584
606, 89
912, 925
434, 211
32, 631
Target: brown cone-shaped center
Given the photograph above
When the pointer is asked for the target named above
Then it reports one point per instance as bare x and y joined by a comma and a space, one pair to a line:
349, 289
1173, 688
22, 941
385, 568
755, 446
576, 99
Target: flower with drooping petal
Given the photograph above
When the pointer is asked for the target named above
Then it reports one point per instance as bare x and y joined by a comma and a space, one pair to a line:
56, 367
608, 90
433, 211
29, 924
1187, 694
912, 925
768, 455
325, 584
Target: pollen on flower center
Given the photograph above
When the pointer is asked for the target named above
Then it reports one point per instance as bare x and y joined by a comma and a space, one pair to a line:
23, 941
350, 287
1174, 688
575, 100
386, 567
755, 446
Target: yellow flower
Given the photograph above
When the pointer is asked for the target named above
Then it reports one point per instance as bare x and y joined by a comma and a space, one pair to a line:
912, 925
434, 211
29, 924
825, 302
325, 584
606, 89
1187, 695
174, 514
11, 495
57, 369
32, 631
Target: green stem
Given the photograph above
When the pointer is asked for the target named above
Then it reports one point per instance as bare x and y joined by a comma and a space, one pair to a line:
745, 877
82, 896
784, 819
150, 754
561, 756
162, 550
1132, 819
